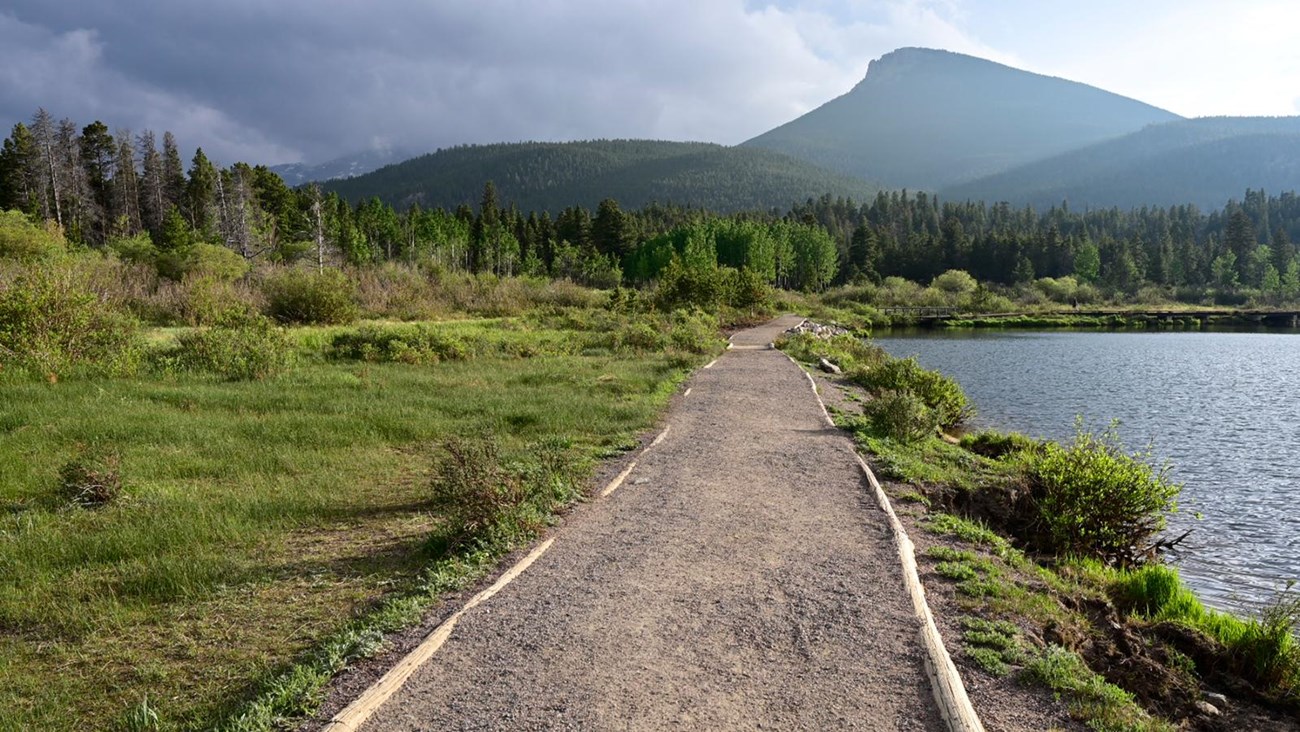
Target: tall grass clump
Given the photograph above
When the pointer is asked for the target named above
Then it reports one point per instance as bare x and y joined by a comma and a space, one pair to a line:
1093, 499
92, 479
412, 344
305, 296
239, 347
1263, 649
51, 323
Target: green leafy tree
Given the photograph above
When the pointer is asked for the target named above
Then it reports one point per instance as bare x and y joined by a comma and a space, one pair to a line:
1087, 263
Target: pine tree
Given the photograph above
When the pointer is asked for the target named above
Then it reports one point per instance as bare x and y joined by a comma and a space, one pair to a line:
200, 194
154, 201
18, 161
173, 172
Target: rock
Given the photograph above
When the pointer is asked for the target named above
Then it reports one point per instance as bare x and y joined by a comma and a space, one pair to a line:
829, 367
1216, 699
1207, 709
819, 330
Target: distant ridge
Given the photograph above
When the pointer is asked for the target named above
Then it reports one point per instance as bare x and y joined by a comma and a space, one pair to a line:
552, 176
346, 166
1205, 161
926, 119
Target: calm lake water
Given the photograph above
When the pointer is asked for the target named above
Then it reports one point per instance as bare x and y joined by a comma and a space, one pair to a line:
1223, 408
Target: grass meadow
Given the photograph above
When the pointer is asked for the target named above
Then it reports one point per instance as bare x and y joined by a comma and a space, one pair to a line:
258, 517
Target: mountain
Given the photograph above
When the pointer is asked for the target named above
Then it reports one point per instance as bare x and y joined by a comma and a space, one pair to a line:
1204, 161
925, 119
345, 167
554, 175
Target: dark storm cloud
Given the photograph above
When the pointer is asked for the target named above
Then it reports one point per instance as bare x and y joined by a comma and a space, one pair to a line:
273, 81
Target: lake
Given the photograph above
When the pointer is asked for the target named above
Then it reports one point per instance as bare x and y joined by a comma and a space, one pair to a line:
1223, 408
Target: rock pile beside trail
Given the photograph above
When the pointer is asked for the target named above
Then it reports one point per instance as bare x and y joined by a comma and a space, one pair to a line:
819, 330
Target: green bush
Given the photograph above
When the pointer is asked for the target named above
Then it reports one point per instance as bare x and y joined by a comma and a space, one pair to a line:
939, 393
24, 241
138, 249
901, 416
640, 336
413, 344
1095, 500
237, 348
51, 322
202, 260
684, 287
694, 332
304, 296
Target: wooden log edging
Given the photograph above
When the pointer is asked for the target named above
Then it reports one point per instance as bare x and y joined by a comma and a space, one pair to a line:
945, 682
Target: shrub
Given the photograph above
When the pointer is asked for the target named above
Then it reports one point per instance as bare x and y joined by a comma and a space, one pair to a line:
203, 300
901, 416
1092, 499
694, 332
683, 287
202, 260
24, 241
51, 322
92, 479
472, 491
303, 296
957, 282
938, 392
413, 344
138, 249
400, 292
238, 348
745, 289
640, 336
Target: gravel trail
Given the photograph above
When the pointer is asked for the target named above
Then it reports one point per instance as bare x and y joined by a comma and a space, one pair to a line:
740, 578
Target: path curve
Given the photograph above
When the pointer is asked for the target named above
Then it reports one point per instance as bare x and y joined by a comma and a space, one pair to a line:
740, 577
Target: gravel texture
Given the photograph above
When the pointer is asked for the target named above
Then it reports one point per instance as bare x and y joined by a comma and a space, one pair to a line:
741, 578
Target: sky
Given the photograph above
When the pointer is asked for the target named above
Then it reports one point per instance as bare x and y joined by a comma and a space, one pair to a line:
273, 81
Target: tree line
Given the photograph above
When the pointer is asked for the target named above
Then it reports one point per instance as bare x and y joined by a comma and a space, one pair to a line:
121, 191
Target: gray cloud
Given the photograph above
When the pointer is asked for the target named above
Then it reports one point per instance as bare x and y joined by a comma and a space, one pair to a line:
279, 81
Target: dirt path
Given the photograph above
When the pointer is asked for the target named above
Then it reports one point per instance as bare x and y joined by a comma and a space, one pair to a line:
740, 578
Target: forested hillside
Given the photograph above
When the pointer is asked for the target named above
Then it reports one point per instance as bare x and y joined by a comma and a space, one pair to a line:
123, 195
544, 176
1199, 161
923, 119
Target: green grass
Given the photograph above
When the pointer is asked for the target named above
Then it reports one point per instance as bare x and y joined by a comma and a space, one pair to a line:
258, 519
1264, 649
1105, 707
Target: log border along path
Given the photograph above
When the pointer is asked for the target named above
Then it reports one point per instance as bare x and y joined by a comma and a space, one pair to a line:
741, 573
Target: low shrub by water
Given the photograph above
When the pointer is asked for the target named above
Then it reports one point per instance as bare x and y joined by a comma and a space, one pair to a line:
901, 416
1093, 499
938, 392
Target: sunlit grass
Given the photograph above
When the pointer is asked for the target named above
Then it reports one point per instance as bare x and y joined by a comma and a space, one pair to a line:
257, 517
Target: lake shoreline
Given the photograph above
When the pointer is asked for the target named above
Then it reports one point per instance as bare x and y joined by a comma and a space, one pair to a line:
1061, 606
